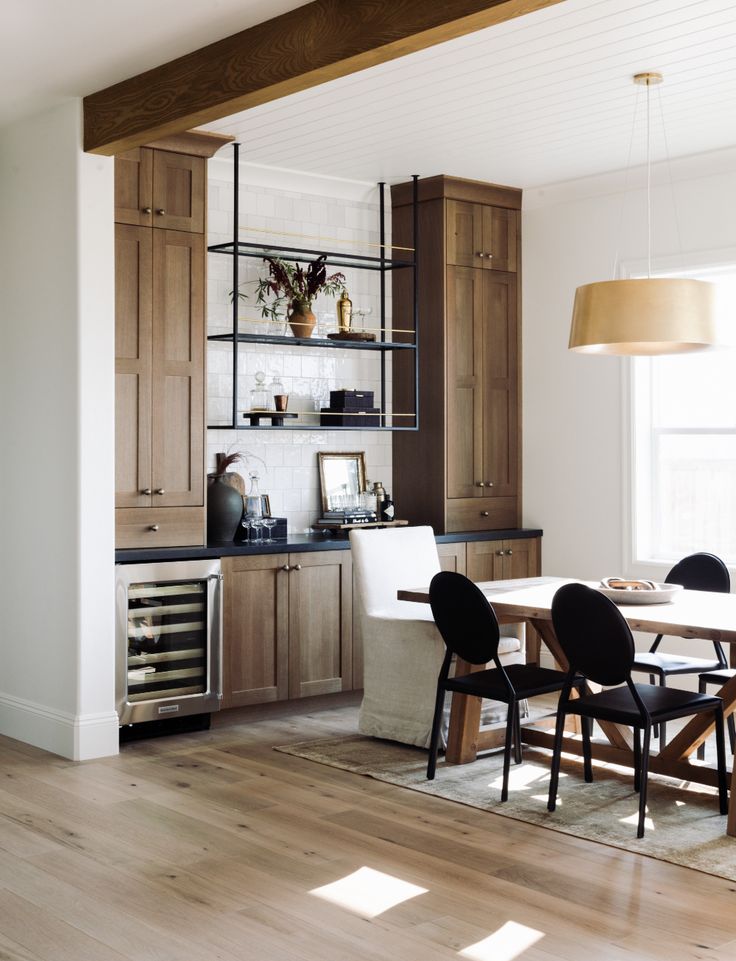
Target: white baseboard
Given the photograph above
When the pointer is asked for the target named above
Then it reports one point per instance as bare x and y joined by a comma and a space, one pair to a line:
79, 738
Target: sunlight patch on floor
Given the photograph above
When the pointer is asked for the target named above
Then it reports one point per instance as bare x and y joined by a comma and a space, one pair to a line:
634, 819
507, 943
367, 892
521, 776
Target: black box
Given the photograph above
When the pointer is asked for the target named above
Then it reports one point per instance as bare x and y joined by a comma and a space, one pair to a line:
351, 400
350, 418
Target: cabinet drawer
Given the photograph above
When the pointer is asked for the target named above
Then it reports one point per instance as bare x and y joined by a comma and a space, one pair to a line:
177, 527
480, 513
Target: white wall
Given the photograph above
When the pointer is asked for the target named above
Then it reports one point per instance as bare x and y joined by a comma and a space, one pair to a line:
56, 416
331, 214
576, 435
576, 426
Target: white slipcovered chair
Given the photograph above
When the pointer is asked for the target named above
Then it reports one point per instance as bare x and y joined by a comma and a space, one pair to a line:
402, 648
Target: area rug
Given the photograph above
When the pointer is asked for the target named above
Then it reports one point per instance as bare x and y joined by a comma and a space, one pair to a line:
683, 824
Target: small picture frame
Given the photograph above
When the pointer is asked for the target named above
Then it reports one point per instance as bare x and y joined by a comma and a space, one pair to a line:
265, 505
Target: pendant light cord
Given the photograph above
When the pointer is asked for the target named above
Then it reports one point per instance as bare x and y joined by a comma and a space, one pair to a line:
649, 185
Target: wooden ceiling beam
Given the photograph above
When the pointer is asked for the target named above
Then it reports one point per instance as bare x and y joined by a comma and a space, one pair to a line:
307, 46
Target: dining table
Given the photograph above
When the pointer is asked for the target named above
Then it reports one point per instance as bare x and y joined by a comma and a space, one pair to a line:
697, 615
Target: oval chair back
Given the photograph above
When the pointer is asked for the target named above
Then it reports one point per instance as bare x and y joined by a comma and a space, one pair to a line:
465, 619
593, 634
701, 572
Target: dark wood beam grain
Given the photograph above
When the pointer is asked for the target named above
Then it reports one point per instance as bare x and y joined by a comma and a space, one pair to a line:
312, 44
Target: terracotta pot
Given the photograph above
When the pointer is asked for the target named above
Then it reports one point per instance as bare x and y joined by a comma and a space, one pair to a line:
302, 321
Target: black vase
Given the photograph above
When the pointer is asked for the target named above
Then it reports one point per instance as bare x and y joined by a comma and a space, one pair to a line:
224, 509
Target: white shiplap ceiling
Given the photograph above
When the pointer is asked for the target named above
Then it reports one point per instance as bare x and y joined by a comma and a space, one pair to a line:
541, 99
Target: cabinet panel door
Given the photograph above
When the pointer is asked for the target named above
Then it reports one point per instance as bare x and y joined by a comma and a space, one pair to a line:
255, 629
133, 322
485, 561
464, 382
178, 191
320, 623
500, 238
452, 557
500, 385
465, 234
521, 558
178, 365
134, 187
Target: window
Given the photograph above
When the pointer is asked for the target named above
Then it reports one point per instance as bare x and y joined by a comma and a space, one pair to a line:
684, 436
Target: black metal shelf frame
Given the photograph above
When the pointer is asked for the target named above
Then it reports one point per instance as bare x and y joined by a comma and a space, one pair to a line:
237, 249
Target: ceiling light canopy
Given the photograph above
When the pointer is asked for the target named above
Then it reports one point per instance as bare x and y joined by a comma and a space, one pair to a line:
646, 316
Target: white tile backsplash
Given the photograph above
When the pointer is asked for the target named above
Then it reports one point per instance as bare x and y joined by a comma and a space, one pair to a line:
286, 461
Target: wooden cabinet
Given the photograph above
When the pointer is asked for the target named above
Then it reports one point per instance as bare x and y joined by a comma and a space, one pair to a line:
467, 450
160, 338
287, 627
481, 235
503, 560
160, 188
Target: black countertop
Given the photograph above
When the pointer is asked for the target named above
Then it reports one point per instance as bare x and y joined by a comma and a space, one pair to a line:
293, 544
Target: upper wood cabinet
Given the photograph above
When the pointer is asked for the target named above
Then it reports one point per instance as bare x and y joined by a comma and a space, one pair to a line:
480, 235
160, 188
461, 470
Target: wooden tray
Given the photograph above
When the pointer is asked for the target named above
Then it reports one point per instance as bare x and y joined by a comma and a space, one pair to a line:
352, 335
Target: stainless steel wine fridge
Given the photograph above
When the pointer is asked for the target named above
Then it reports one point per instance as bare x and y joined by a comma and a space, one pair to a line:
169, 640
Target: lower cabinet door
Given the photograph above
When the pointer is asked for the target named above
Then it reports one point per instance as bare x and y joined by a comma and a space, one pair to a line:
320, 623
255, 629
503, 560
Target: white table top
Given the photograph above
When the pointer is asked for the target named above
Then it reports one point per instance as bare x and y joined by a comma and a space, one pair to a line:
698, 614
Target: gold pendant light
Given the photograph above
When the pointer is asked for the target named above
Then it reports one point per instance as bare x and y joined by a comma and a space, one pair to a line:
649, 315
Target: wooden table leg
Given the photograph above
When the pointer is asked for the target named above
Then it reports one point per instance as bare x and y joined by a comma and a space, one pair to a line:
462, 735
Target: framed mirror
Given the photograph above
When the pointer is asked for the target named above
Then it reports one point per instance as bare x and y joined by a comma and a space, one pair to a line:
342, 478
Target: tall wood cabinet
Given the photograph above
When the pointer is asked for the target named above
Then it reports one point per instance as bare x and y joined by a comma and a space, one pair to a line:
462, 470
160, 339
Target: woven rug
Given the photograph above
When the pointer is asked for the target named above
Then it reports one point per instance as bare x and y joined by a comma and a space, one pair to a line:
683, 823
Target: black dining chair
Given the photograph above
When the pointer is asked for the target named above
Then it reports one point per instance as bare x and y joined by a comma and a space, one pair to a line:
598, 645
469, 628
696, 572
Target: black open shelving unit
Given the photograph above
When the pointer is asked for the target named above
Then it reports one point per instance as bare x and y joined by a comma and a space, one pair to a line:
237, 249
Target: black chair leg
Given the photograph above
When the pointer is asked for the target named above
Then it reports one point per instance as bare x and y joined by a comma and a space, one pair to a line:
637, 759
644, 778
662, 726
702, 690
587, 764
556, 754
510, 729
721, 754
434, 741
731, 733
517, 734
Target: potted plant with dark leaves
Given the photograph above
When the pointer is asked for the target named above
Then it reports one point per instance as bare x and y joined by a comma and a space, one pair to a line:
293, 287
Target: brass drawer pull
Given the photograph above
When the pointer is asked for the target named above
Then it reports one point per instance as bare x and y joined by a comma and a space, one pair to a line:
484, 513
480, 484
153, 527
286, 568
509, 553
146, 210
500, 553
297, 567
146, 491
161, 211
160, 491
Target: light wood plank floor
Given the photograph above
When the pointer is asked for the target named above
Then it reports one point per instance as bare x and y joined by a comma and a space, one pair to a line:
210, 845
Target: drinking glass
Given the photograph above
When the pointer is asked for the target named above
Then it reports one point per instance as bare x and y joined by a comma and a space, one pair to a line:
269, 523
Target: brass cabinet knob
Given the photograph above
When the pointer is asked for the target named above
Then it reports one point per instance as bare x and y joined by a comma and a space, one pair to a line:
500, 553
160, 490
146, 210
160, 211
286, 568
484, 513
153, 527
297, 567
146, 491
480, 484
509, 553
480, 254
489, 256
489, 483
